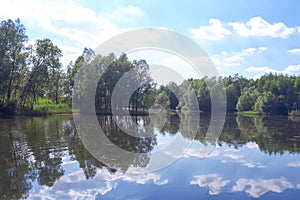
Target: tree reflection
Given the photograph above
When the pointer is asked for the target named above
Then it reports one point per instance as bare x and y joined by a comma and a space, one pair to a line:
13, 183
231, 134
172, 124
47, 144
16, 170
272, 134
34, 149
140, 146
78, 152
31, 149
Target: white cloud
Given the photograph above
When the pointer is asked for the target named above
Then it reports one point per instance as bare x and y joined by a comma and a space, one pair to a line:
64, 18
211, 181
77, 25
259, 71
257, 26
264, 69
294, 164
292, 69
216, 31
131, 12
237, 57
256, 188
294, 51
248, 51
262, 49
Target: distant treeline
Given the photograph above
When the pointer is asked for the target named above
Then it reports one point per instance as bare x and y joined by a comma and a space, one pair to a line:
33, 73
271, 93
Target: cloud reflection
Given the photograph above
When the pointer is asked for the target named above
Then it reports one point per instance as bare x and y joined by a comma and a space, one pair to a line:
75, 186
213, 182
256, 188
294, 164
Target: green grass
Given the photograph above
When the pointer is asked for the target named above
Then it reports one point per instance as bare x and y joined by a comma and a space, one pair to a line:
45, 106
249, 113
49, 109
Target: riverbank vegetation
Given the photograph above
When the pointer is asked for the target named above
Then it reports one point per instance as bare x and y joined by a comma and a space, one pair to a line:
33, 81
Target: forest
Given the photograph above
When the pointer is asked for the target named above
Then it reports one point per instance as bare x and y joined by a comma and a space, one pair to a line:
34, 81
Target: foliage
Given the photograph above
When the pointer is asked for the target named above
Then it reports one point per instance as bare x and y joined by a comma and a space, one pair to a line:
29, 73
248, 113
52, 108
163, 100
247, 99
12, 59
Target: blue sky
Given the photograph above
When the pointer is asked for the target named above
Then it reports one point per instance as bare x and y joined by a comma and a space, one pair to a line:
246, 37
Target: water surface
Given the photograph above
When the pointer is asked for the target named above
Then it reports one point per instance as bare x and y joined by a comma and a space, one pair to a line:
255, 157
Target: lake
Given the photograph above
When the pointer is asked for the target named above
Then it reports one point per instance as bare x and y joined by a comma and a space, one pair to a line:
255, 157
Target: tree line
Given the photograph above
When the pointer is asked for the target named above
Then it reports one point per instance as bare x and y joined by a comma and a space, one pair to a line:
31, 72
271, 93
28, 71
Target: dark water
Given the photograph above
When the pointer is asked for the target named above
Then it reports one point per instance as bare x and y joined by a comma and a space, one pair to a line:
255, 157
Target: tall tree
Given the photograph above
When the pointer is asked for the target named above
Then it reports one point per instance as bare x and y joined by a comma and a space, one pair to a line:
12, 58
45, 66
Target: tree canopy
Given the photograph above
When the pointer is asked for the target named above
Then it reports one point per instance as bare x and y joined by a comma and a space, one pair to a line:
29, 73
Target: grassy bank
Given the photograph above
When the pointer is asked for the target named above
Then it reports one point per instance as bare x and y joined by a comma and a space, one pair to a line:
49, 109
248, 113
46, 109
44, 106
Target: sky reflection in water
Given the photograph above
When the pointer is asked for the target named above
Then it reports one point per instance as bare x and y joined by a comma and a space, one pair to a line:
256, 157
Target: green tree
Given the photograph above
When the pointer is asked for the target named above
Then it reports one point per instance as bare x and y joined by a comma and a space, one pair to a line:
145, 82
163, 100
173, 91
45, 73
231, 97
264, 102
247, 100
12, 59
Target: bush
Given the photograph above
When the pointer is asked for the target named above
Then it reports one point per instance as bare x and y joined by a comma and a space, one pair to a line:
52, 108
